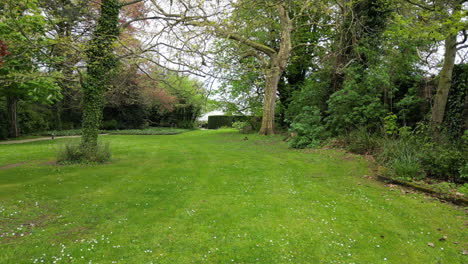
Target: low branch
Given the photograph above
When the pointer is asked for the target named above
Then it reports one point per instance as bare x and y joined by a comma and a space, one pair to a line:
131, 3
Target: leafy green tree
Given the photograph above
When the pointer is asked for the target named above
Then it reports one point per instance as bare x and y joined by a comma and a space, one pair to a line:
264, 30
24, 72
440, 21
71, 24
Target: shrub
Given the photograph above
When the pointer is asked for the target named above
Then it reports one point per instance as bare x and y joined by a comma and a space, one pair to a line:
443, 162
358, 103
215, 122
33, 117
464, 172
415, 156
407, 167
308, 129
76, 153
361, 141
243, 127
202, 124
402, 156
186, 124
390, 124
110, 124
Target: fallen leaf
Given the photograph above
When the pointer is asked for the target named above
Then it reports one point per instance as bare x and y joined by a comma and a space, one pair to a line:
430, 244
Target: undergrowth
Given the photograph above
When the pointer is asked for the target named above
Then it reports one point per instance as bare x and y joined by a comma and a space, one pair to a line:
72, 153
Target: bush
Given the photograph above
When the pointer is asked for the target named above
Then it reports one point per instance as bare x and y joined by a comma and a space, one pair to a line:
418, 156
243, 127
202, 124
215, 122
407, 167
464, 172
33, 117
110, 124
357, 104
401, 155
308, 129
76, 153
186, 124
444, 162
390, 124
361, 141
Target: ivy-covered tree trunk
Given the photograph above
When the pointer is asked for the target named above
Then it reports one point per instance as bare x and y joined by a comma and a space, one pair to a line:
100, 63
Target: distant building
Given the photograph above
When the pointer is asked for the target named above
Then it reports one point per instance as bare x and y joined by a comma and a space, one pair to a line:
212, 113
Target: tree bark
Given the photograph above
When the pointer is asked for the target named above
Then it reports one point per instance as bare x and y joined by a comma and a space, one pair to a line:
12, 107
445, 81
268, 118
278, 64
465, 111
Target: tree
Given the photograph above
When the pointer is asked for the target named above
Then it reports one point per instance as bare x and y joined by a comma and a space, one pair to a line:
277, 58
71, 24
100, 63
359, 27
442, 21
451, 47
246, 27
24, 71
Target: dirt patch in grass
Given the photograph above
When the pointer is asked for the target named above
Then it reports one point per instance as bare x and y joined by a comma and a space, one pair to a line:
72, 232
24, 229
50, 163
10, 166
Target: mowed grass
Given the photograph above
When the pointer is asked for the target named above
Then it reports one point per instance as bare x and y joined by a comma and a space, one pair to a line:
212, 197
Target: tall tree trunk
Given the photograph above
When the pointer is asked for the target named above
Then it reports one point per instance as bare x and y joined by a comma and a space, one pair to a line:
57, 110
268, 119
12, 107
445, 81
278, 64
100, 62
465, 112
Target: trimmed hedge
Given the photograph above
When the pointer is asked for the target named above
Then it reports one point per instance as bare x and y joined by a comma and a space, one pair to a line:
215, 122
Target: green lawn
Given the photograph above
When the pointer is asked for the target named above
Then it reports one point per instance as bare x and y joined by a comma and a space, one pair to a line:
211, 197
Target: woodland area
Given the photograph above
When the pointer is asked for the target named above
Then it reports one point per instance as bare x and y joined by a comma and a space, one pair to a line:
378, 77
341, 133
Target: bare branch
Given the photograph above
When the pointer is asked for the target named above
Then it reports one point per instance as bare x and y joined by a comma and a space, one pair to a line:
131, 3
